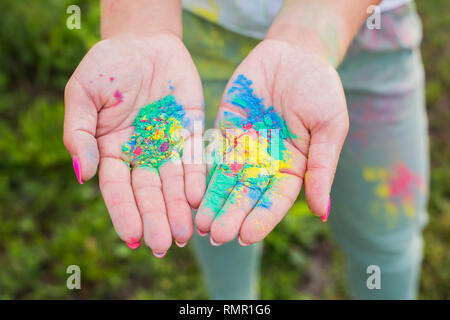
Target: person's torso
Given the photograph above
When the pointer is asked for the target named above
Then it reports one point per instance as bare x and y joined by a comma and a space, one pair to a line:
250, 17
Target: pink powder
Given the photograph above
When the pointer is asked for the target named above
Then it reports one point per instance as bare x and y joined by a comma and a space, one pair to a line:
119, 97
164, 147
403, 182
236, 167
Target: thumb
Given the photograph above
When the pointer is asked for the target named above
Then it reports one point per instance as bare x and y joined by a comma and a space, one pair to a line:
80, 122
323, 155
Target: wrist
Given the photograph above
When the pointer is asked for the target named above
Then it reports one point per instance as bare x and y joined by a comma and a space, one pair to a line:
140, 18
327, 27
304, 41
319, 31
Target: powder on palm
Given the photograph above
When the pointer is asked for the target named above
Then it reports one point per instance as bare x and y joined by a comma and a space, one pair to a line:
246, 151
157, 136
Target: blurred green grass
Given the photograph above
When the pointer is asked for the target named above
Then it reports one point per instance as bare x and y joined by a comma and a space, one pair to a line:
48, 221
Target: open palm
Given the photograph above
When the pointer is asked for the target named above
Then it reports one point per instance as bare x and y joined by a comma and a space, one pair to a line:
113, 82
307, 93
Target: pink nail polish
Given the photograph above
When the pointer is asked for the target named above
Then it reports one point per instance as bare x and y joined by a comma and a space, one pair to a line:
77, 168
133, 245
241, 243
325, 218
215, 244
180, 244
201, 234
159, 255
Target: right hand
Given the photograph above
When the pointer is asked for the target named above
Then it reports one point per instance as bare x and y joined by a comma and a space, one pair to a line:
115, 79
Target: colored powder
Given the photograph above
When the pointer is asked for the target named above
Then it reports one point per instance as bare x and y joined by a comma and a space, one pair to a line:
220, 187
252, 151
157, 137
395, 191
119, 97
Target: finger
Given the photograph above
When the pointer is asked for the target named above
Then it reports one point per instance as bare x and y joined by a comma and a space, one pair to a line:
217, 193
323, 155
187, 88
178, 209
271, 208
211, 151
150, 201
80, 121
230, 217
115, 185
193, 164
278, 198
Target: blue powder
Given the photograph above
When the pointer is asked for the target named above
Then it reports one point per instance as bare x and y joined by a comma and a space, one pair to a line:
258, 114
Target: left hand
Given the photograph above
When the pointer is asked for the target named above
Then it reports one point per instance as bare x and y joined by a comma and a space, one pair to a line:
305, 91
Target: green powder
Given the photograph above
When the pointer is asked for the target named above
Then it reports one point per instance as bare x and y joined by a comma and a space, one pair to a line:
157, 137
219, 189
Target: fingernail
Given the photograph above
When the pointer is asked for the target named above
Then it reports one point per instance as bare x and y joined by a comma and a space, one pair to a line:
180, 244
215, 244
159, 255
201, 234
325, 218
241, 243
77, 168
133, 245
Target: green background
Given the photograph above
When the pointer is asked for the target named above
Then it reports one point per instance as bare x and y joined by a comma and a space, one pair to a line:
48, 221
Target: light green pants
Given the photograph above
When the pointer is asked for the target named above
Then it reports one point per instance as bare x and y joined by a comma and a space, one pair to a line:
380, 190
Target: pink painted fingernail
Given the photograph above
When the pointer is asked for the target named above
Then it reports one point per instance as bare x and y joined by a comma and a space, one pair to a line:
201, 234
325, 218
241, 243
77, 168
159, 255
133, 245
215, 244
180, 244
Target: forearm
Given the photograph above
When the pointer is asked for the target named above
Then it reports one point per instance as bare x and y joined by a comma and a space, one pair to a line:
141, 17
326, 27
